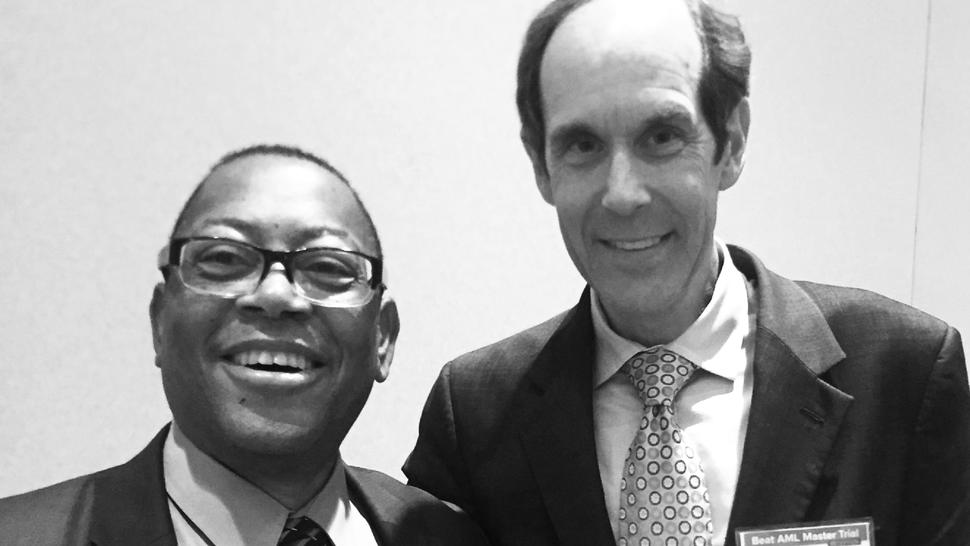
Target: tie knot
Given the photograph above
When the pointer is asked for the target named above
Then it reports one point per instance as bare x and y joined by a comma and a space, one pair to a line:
303, 531
658, 373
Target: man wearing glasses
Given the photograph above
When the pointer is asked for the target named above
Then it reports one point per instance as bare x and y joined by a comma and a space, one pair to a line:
270, 328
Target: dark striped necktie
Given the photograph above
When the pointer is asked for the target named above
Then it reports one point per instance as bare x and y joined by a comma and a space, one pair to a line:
303, 531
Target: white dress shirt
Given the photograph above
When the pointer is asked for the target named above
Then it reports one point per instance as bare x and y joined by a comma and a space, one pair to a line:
231, 510
712, 408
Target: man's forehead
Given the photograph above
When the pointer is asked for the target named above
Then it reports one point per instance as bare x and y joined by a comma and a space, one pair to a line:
268, 192
661, 33
260, 172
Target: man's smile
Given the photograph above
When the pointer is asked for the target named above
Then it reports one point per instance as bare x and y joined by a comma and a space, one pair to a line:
273, 363
638, 244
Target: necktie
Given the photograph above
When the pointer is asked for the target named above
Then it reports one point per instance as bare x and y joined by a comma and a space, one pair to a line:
663, 496
303, 531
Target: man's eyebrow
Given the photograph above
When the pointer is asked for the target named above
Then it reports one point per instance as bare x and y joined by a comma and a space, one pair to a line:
671, 114
562, 134
249, 229
309, 233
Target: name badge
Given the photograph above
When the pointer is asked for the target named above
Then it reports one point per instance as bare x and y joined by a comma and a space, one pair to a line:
849, 532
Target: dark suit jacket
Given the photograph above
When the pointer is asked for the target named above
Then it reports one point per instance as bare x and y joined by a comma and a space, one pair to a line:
860, 408
126, 505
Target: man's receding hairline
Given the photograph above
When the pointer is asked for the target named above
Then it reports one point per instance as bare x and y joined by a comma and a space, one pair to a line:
695, 27
724, 76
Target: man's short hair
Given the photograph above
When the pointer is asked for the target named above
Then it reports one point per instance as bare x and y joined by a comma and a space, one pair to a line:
724, 75
282, 151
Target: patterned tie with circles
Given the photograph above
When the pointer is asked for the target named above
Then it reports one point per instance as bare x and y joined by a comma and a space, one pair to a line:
663, 495
303, 531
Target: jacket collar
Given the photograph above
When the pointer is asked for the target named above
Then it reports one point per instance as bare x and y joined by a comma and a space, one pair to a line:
382, 510
130, 506
795, 415
788, 313
557, 431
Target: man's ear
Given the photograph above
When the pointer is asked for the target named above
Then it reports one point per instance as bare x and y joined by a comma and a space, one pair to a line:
154, 313
388, 326
538, 167
737, 138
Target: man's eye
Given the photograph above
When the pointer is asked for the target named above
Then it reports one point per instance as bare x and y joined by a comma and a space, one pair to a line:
224, 258
223, 262
328, 267
581, 150
663, 142
329, 272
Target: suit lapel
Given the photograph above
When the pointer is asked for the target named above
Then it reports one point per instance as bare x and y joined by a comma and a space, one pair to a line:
130, 506
380, 508
794, 416
557, 432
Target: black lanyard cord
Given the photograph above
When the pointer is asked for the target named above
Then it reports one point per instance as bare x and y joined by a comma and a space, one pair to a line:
191, 523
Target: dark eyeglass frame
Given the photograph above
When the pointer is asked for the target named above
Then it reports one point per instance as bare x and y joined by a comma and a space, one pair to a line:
271, 257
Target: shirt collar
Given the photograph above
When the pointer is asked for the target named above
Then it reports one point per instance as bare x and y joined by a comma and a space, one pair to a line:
231, 510
721, 327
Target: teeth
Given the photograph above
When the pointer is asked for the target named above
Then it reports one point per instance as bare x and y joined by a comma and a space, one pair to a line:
639, 244
266, 358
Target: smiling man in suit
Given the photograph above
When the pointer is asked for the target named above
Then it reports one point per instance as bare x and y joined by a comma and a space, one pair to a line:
270, 328
691, 391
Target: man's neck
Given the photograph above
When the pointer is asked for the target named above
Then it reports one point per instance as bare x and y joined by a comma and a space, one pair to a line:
292, 483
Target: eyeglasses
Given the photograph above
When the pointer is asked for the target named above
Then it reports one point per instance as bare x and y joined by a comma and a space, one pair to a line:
330, 277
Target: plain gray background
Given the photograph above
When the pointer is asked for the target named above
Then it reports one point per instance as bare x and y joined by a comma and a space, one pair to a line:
110, 112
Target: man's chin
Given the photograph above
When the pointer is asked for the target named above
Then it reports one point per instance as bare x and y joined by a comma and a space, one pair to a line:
253, 437
272, 436
622, 295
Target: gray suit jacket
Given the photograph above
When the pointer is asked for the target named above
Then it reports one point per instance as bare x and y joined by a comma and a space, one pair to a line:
860, 408
126, 505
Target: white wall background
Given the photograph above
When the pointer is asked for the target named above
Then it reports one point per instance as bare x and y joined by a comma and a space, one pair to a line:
110, 112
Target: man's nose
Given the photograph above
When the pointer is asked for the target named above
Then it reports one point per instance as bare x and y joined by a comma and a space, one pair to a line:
626, 187
275, 296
